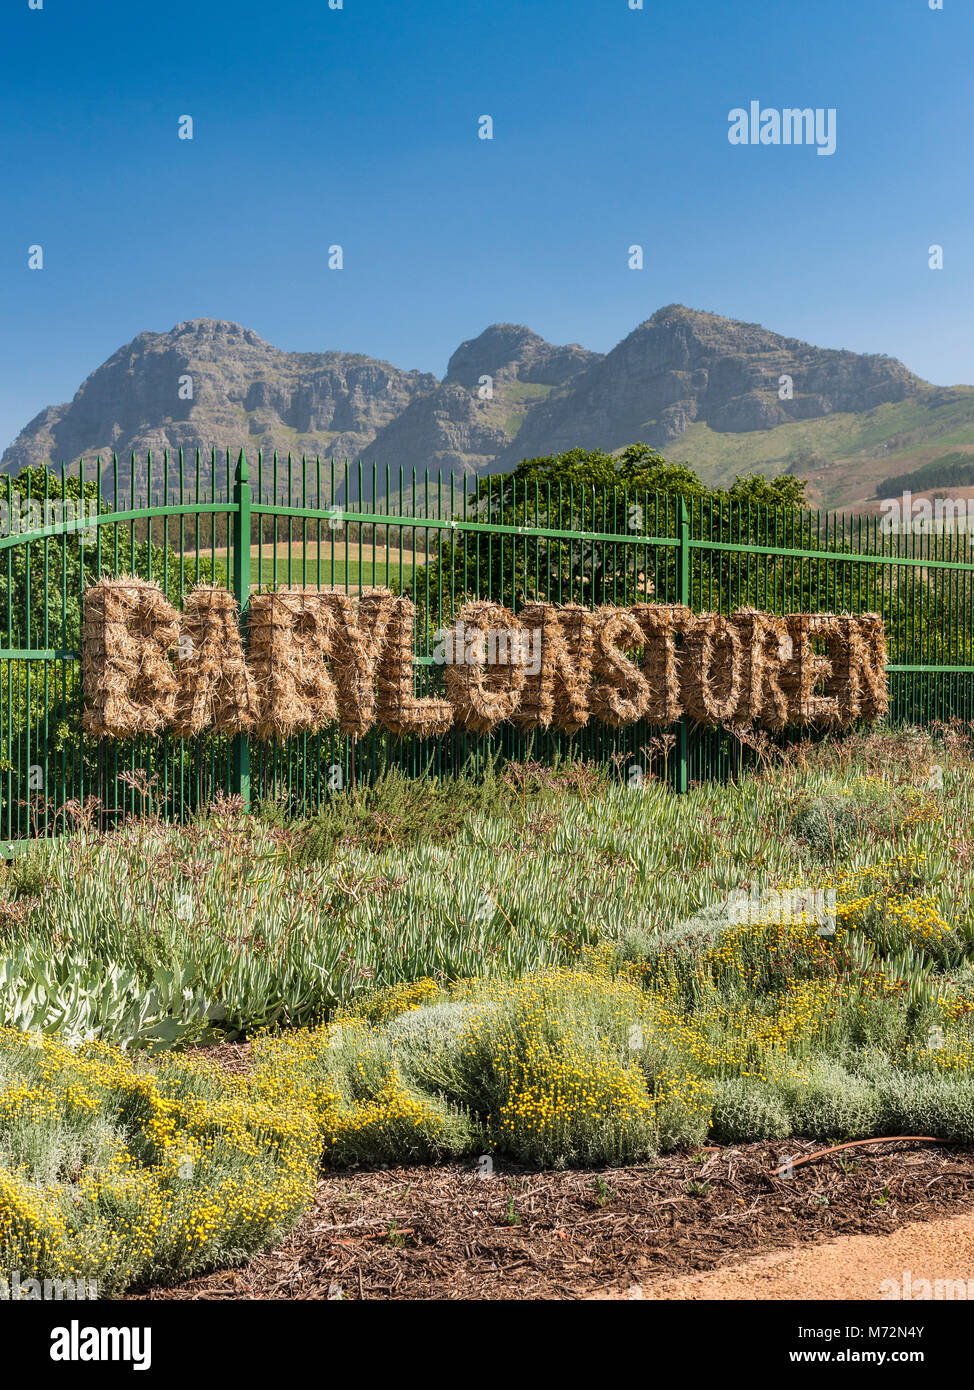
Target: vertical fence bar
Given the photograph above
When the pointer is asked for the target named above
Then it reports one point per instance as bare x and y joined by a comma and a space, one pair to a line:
240, 540
682, 769
835, 563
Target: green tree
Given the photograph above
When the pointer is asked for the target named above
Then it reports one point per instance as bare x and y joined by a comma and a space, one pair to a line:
42, 581
598, 506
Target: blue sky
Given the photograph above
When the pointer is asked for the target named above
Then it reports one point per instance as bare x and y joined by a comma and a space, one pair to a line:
359, 126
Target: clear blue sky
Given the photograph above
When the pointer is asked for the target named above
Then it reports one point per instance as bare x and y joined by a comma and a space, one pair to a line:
359, 126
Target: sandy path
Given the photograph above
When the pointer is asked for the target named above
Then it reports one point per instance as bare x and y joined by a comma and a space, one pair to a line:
852, 1267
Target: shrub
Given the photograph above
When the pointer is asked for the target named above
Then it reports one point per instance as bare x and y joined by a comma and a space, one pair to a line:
427, 1042
542, 1069
117, 1174
392, 1001
683, 1116
745, 1111
830, 821
394, 810
429, 1028
830, 1103
27, 877
558, 1068
357, 1089
827, 824
941, 1105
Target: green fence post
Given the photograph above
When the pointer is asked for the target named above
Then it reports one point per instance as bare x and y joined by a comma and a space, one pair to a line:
240, 540
682, 770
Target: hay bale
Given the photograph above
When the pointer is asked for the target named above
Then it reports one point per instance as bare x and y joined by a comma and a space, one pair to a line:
806, 668
662, 624
216, 688
712, 669
765, 647
290, 632
129, 683
398, 707
485, 675
857, 651
358, 636
559, 645
621, 693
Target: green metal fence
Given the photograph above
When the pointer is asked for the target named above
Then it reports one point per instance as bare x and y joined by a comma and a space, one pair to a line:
443, 539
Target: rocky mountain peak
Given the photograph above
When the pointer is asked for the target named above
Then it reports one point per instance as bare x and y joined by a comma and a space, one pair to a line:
508, 394
683, 366
221, 331
509, 349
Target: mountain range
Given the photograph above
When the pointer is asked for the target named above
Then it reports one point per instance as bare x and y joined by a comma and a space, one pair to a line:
724, 396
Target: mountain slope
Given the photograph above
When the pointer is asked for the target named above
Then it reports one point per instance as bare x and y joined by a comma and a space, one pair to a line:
491, 385
682, 366
245, 394
701, 388
843, 457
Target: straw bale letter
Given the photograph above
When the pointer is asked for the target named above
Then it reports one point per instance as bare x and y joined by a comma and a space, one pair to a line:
216, 687
400, 710
622, 694
485, 678
128, 681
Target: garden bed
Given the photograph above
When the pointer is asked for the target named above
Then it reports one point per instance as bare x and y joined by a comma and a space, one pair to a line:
444, 1233
580, 987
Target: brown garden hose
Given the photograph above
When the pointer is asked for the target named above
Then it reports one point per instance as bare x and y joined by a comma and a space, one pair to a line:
858, 1143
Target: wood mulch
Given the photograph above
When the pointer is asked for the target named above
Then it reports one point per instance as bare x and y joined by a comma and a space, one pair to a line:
448, 1233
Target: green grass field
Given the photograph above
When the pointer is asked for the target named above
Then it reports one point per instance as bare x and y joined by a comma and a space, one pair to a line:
357, 565
355, 573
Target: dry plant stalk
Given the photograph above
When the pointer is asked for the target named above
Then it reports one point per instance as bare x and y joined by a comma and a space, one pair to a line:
712, 669
128, 681
483, 689
766, 646
622, 693
661, 624
216, 687
806, 668
290, 634
358, 635
399, 709
557, 693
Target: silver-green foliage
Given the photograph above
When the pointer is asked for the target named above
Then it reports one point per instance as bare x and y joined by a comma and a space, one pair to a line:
81, 998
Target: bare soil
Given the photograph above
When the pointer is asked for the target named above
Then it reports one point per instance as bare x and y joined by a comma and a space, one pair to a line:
685, 1226
908, 1264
